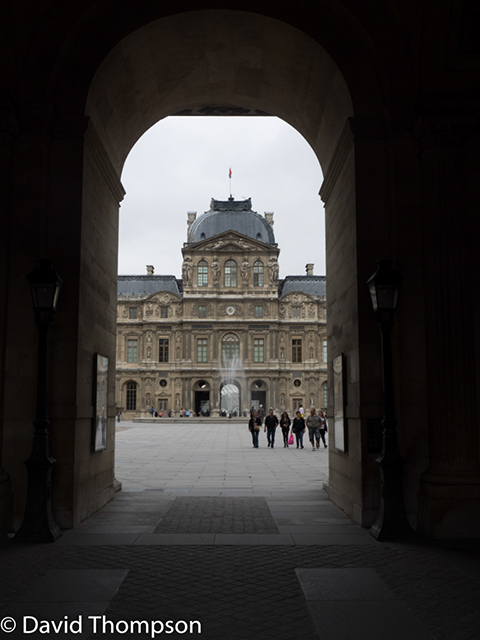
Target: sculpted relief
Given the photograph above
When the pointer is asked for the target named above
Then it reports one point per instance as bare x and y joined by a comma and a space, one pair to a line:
273, 271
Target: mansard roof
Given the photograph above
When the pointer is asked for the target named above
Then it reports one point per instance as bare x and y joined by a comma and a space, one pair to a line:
312, 285
231, 215
145, 285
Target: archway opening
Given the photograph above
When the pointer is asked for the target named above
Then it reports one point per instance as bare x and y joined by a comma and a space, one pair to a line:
217, 73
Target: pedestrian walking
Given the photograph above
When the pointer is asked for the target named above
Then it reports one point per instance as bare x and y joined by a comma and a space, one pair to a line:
323, 427
271, 423
313, 424
298, 429
254, 426
285, 423
152, 411
261, 413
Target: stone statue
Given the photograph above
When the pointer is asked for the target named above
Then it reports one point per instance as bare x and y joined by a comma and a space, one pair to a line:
245, 271
215, 272
187, 271
273, 271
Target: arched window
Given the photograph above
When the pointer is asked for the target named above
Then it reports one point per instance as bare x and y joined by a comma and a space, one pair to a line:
230, 273
131, 403
230, 347
325, 395
202, 271
258, 273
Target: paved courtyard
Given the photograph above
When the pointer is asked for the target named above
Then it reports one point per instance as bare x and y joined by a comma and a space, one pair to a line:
209, 531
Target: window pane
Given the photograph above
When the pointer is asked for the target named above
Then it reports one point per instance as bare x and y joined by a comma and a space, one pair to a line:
325, 351
202, 350
131, 396
164, 312
230, 347
325, 395
296, 350
230, 274
297, 312
202, 311
163, 350
258, 350
259, 311
202, 279
131, 351
132, 313
258, 274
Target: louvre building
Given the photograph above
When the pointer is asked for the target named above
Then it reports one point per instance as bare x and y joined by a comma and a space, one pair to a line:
227, 335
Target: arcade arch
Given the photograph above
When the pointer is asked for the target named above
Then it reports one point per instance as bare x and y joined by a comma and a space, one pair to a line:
215, 61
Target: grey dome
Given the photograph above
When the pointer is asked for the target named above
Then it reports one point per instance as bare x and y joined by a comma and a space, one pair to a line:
231, 215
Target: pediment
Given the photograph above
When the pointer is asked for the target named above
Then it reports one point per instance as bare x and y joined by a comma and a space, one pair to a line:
296, 297
231, 241
163, 297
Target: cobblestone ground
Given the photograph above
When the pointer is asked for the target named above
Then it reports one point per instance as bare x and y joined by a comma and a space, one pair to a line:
202, 481
244, 593
218, 515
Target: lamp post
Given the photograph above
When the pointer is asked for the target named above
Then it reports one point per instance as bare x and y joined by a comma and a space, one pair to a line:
392, 522
38, 523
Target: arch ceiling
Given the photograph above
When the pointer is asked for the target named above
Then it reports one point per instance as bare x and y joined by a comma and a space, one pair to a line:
207, 60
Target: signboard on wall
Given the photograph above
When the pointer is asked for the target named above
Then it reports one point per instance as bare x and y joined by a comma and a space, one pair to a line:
339, 404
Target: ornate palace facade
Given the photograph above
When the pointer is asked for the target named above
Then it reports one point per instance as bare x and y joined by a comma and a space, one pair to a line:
228, 335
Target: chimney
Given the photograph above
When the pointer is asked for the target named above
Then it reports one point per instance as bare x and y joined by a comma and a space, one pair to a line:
269, 217
191, 217
309, 268
150, 270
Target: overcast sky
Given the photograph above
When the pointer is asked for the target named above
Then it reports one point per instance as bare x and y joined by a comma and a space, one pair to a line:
183, 162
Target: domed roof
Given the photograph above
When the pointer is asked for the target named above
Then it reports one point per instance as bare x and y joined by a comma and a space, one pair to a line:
231, 215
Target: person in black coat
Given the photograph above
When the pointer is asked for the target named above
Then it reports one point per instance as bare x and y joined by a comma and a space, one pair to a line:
285, 423
298, 429
271, 423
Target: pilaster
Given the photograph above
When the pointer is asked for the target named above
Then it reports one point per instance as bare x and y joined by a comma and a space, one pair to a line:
8, 133
450, 488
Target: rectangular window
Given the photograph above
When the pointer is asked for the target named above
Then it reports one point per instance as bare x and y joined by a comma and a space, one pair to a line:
163, 350
202, 311
163, 312
202, 350
296, 350
132, 350
258, 311
258, 350
131, 396
132, 313
325, 351
325, 313
297, 312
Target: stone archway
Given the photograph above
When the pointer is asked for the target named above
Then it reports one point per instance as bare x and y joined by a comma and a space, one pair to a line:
108, 81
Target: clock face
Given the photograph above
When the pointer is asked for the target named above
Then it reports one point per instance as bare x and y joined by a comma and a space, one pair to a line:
230, 311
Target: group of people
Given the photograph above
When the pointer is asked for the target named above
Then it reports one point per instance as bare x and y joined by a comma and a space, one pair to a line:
316, 424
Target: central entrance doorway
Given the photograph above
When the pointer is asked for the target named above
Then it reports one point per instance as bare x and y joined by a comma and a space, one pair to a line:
202, 398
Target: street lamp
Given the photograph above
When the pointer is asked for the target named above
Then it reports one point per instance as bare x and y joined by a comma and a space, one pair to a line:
392, 522
38, 523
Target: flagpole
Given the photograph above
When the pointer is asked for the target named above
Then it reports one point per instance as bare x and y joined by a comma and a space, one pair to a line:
230, 180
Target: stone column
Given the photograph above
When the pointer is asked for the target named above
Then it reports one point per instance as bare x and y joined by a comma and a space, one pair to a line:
8, 132
450, 488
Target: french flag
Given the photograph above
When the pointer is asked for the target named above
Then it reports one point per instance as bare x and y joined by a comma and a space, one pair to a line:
230, 174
